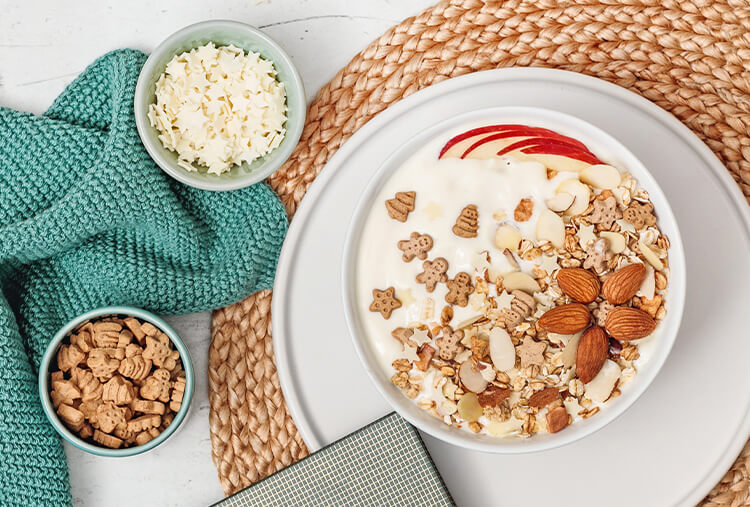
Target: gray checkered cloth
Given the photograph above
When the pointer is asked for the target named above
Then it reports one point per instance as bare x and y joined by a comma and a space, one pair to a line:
384, 463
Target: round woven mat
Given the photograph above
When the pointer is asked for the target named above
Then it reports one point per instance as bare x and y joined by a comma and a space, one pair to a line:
690, 57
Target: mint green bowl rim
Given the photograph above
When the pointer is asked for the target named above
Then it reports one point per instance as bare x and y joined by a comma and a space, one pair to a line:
293, 87
51, 352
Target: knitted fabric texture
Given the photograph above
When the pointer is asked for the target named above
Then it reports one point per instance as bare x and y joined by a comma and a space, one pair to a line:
86, 220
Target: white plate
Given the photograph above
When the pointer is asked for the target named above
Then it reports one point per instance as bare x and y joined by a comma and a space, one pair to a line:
674, 443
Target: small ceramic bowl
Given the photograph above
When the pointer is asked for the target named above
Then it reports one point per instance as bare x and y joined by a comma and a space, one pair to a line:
221, 33
51, 353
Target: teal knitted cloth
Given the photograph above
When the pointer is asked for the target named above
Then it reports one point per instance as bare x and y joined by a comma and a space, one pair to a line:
87, 220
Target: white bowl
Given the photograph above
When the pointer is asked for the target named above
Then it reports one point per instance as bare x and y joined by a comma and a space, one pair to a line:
607, 149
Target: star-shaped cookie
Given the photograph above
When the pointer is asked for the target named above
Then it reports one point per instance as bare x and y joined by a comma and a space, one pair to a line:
531, 352
421, 336
410, 353
433, 210
384, 301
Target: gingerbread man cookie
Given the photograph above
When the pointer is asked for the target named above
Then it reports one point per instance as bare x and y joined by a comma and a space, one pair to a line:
605, 212
450, 343
159, 351
384, 301
640, 215
459, 290
156, 387
416, 246
598, 256
434, 273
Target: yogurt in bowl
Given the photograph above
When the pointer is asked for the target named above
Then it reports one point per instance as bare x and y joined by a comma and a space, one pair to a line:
513, 279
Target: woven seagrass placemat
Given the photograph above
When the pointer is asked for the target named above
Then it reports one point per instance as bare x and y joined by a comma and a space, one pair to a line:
691, 57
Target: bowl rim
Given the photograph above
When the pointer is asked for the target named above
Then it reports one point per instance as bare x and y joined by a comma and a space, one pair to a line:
51, 351
435, 427
281, 153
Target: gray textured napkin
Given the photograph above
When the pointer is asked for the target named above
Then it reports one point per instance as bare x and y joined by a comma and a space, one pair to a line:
384, 463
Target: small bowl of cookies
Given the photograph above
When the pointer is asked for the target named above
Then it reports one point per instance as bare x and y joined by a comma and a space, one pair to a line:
116, 381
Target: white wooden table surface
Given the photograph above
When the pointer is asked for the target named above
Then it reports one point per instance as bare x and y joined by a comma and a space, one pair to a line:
45, 44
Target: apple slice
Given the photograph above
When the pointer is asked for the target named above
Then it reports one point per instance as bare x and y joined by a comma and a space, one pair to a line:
551, 148
457, 145
487, 147
481, 131
456, 150
540, 141
560, 202
520, 130
551, 227
601, 176
559, 163
581, 192
533, 135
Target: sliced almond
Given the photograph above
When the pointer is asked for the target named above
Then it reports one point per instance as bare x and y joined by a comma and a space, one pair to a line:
562, 201
585, 235
502, 351
447, 407
600, 387
616, 241
519, 280
469, 408
488, 372
580, 192
648, 287
571, 348
601, 176
550, 227
650, 256
471, 378
507, 237
511, 259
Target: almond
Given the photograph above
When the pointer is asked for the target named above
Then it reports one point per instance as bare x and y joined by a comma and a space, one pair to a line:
623, 284
624, 323
493, 396
566, 319
544, 397
579, 284
593, 349
557, 419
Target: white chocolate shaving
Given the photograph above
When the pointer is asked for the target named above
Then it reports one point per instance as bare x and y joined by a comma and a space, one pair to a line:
218, 107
